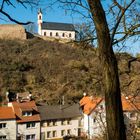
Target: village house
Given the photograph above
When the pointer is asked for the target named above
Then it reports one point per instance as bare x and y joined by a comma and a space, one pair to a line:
7, 124
54, 29
27, 119
95, 116
58, 121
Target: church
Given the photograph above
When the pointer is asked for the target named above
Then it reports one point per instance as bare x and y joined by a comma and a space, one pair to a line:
54, 29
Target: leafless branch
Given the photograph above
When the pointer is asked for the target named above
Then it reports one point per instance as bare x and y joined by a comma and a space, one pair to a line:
119, 20
12, 19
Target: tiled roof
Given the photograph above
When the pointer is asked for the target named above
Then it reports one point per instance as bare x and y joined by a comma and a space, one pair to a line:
58, 26
50, 112
129, 104
6, 113
88, 104
26, 106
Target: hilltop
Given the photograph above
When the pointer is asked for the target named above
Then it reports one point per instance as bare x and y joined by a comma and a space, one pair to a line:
50, 70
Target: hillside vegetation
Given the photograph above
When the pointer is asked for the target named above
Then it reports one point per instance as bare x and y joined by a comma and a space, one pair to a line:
50, 70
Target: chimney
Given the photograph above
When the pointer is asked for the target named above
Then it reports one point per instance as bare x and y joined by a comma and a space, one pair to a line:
84, 94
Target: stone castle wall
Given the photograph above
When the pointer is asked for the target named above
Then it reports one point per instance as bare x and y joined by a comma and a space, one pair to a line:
12, 31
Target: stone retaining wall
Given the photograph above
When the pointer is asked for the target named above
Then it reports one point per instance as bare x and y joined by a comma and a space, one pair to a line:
12, 31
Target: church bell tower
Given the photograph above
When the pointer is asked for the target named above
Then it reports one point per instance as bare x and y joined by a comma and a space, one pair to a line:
40, 22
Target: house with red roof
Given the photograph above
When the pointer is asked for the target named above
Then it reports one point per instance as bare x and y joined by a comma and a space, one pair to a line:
27, 119
95, 117
7, 124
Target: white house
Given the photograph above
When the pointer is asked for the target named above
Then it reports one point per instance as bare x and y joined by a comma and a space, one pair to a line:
27, 119
54, 29
95, 116
59, 121
7, 124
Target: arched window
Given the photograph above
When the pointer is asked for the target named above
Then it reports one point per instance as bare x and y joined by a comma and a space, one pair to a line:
44, 33
69, 34
56, 33
50, 33
63, 35
40, 17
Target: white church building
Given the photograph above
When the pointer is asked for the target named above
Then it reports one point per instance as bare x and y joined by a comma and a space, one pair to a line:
54, 29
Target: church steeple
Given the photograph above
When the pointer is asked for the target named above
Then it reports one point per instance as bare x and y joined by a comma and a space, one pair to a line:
39, 21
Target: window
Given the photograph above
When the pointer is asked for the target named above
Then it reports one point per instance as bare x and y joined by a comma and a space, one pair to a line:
63, 35
50, 33
44, 33
48, 134
30, 137
94, 120
63, 122
30, 125
69, 122
49, 123
101, 107
27, 113
54, 123
54, 134
132, 115
2, 137
56, 34
39, 17
70, 35
62, 132
2, 125
68, 132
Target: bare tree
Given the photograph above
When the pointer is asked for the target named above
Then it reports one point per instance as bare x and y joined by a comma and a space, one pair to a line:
12, 4
121, 27
125, 17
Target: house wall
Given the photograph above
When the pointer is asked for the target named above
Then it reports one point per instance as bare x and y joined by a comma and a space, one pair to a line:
10, 130
59, 34
73, 126
28, 131
12, 31
93, 123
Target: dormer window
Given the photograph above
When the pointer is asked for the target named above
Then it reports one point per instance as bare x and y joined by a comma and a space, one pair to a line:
27, 113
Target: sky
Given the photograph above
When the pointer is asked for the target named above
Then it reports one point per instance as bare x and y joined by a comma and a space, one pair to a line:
54, 14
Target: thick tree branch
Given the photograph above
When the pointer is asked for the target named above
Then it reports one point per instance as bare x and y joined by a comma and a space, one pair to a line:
12, 19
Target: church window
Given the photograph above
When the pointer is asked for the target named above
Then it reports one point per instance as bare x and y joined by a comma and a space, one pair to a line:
44, 33
56, 33
39, 17
70, 35
63, 35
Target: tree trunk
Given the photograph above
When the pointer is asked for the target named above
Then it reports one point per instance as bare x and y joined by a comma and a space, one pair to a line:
114, 113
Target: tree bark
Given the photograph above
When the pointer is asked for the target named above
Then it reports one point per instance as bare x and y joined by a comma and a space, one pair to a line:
114, 113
